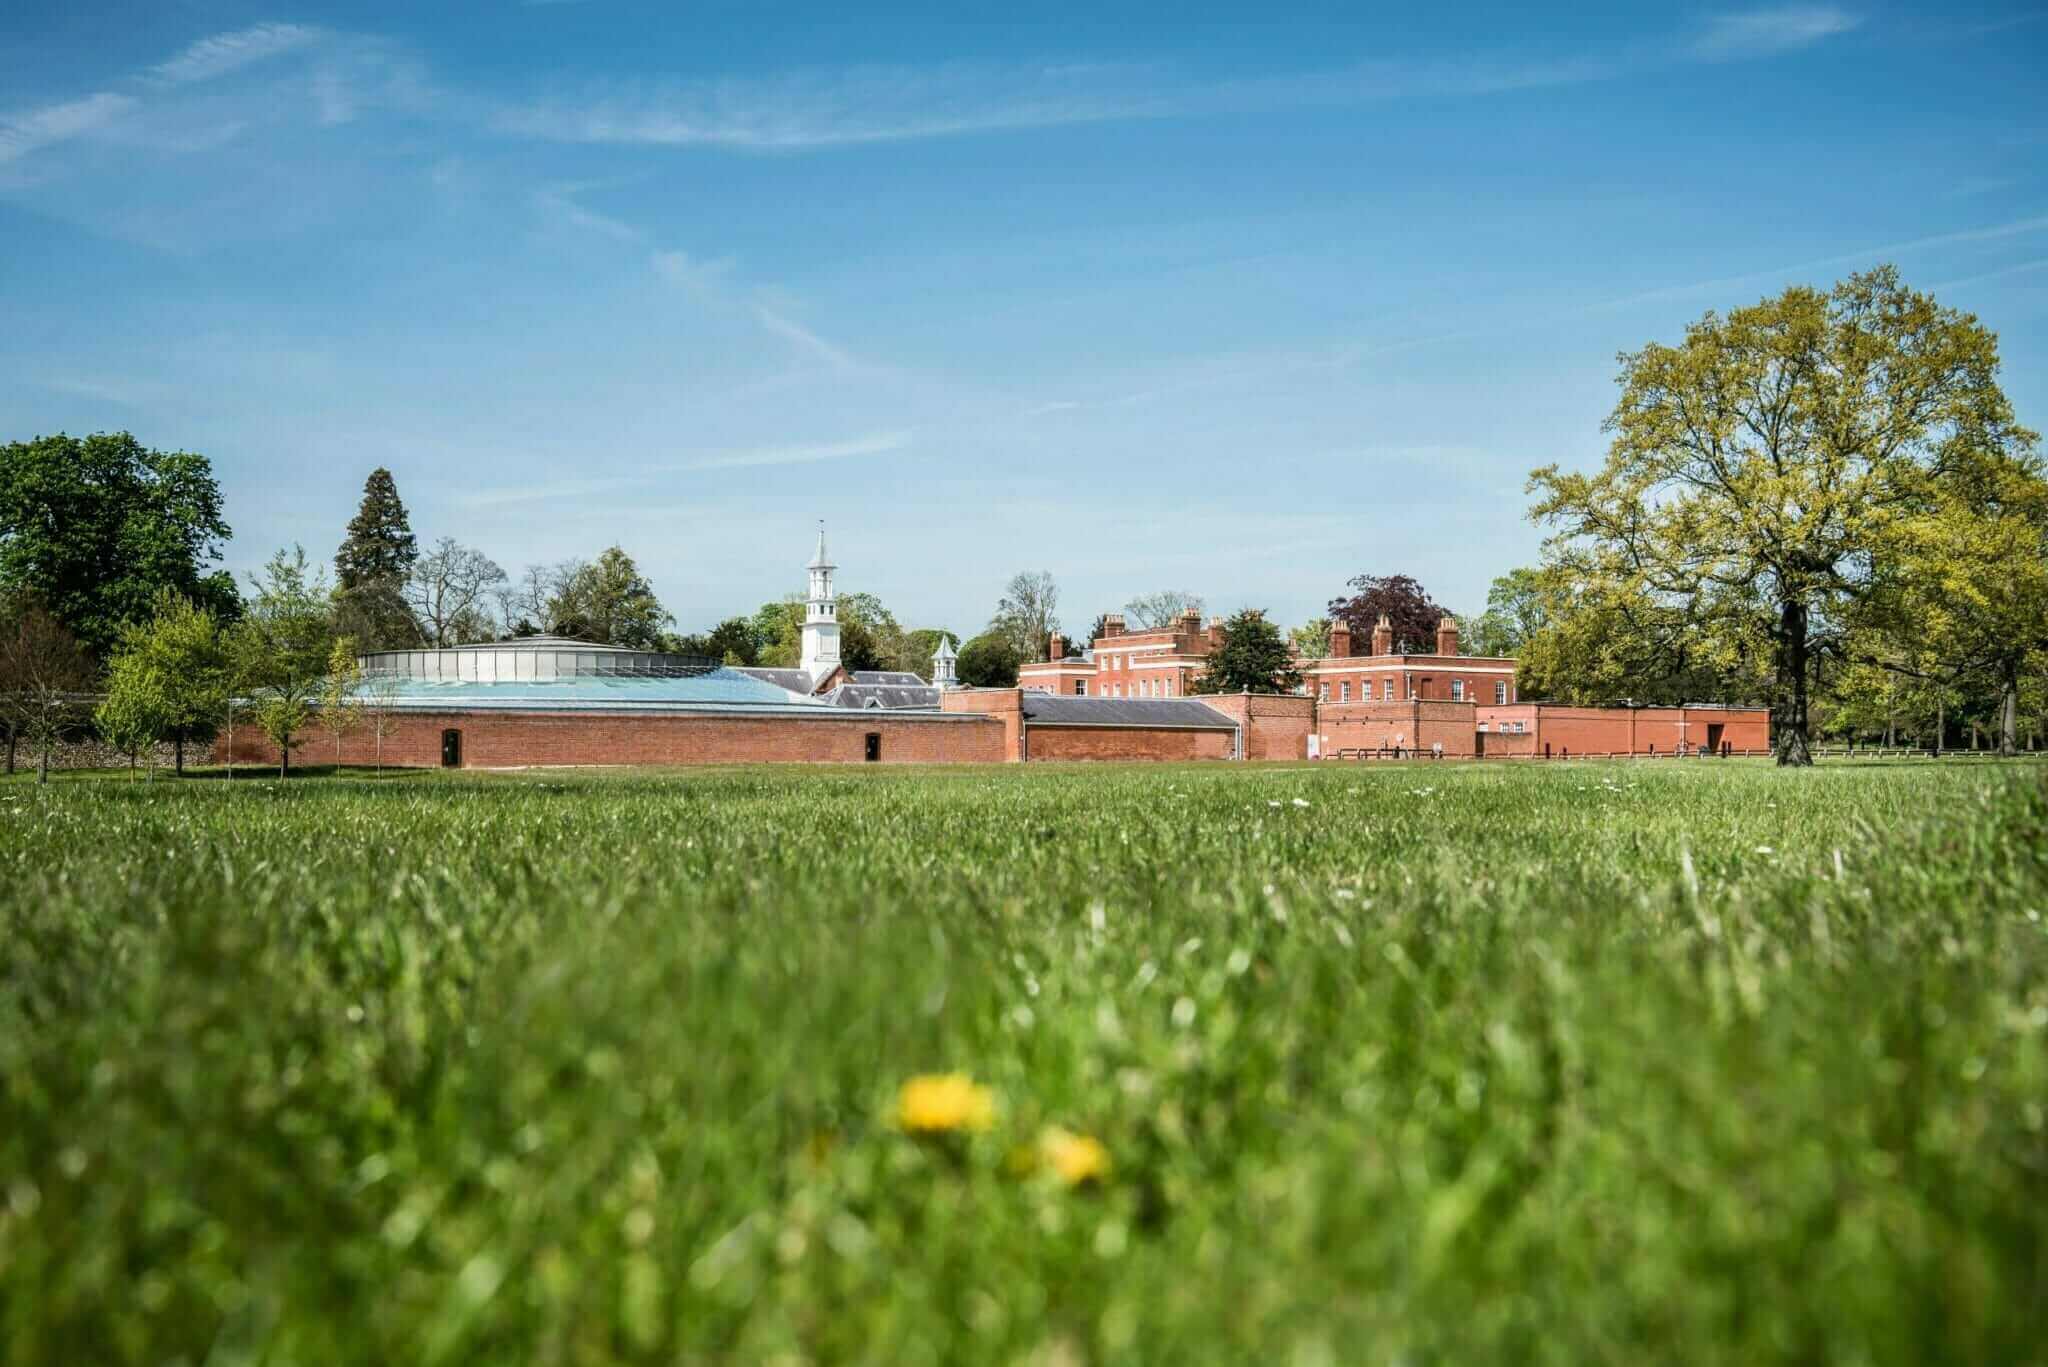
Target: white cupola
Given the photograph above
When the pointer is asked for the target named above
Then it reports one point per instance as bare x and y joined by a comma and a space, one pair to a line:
821, 616
943, 661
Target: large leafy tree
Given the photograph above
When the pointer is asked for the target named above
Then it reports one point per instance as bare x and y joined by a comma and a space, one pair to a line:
370, 569
1404, 602
1027, 615
988, 661
1253, 658
1515, 611
610, 602
731, 641
1963, 606
1600, 639
1762, 467
97, 526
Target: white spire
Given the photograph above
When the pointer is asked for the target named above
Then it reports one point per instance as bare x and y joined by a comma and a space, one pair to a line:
821, 616
942, 665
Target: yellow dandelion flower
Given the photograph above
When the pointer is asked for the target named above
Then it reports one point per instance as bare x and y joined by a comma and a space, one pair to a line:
937, 1103
1074, 1158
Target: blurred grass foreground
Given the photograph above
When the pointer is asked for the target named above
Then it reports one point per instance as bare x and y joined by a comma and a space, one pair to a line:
1580, 1063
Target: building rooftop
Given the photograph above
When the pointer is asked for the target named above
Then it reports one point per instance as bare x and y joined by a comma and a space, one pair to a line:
1058, 709
712, 689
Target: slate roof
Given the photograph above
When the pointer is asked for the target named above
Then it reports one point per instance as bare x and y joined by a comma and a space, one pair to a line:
1058, 709
883, 695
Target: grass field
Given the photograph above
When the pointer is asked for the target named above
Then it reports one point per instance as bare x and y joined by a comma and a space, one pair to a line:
1422, 1064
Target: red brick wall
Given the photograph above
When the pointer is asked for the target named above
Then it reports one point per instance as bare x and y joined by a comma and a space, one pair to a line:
1623, 730
1125, 743
1005, 705
1275, 726
509, 740
1417, 725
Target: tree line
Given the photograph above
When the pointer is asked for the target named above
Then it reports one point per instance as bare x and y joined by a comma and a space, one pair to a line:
1822, 502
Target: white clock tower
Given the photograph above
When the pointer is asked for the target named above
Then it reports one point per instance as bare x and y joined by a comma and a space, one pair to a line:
821, 617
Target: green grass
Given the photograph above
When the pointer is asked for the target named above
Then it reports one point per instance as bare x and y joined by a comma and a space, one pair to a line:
1425, 1064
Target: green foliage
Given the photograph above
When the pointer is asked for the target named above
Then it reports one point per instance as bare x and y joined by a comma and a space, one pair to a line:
185, 655
610, 602
1254, 658
96, 527
1515, 613
990, 660
731, 641
283, 649
340, 706
1764, 468
778, 632
1566, 1064
1311, 640
137, 711
371, 568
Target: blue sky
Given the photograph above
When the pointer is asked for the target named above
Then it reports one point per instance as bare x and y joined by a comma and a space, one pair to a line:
1242, 300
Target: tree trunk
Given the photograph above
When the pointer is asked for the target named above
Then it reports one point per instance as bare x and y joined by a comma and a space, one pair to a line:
43, 763
1940, 724
1788, 688
2009, 710
284, 758
13, 739
178, 744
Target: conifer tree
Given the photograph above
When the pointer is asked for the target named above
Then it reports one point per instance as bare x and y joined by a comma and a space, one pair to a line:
371, 567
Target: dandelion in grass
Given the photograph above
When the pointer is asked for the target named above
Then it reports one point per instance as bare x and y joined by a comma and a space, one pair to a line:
943, 1103
1073, 1158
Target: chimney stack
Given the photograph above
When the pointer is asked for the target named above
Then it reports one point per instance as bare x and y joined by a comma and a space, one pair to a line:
1340, 639
1113, 624
1447, 635
1383, 636
1057, 648
1215, 633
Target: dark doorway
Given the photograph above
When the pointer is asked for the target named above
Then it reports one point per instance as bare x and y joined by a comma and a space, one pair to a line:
1713, 737
451, 749
874, 746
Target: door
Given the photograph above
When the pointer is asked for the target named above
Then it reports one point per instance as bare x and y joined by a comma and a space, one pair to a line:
1713, 738
451, 749
874, 751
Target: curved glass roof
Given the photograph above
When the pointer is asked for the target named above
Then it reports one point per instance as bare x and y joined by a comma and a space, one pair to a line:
714, 688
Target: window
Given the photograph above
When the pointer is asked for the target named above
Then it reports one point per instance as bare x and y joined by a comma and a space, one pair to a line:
1457, 690
1344, 691
1500, 695
1386, 690
1080, 688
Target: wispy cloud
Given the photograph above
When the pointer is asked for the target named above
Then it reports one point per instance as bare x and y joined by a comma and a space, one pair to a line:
694, 273
25, 132
224, 52
1768, 32
559, 202
2022, 268
839, 107
806, 341
878, 444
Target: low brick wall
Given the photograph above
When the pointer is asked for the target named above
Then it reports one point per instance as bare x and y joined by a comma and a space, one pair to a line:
1414, 725
490, 740
1049, 742
1274, 725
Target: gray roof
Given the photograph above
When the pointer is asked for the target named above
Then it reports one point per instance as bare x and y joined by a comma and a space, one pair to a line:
1059, 709
899, 678
795, 680
887, 696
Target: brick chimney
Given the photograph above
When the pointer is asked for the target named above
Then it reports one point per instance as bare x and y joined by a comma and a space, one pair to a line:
1113, 624
1447, 635
1057, 649
1215, 633
1340, 639
1383, 636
